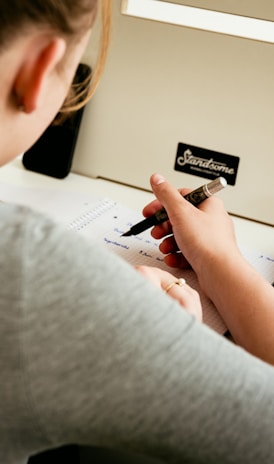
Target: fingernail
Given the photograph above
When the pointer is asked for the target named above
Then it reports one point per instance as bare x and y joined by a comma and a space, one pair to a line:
157, 179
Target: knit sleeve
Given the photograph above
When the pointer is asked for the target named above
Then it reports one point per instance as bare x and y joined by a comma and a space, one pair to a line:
108, 359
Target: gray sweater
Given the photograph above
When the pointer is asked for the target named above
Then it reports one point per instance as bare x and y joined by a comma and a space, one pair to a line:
92, 353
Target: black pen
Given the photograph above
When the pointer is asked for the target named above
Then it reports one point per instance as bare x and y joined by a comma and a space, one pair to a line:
195, 198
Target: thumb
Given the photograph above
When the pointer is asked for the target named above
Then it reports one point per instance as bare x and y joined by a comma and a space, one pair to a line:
168, 195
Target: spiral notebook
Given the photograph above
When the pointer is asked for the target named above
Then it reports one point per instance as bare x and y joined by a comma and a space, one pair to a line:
106, 221
103, 221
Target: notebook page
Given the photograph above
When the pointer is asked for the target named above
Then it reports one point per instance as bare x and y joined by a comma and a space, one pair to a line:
109, 220
261, 261
103, 221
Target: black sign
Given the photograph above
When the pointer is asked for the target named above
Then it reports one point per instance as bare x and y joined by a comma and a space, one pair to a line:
206, 163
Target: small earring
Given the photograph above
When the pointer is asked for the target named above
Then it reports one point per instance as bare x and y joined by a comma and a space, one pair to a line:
19, 103
21, 107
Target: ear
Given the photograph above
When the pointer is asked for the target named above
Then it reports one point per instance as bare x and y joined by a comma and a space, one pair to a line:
35, 68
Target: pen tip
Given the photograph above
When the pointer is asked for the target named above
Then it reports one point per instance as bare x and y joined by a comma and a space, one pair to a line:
126, 234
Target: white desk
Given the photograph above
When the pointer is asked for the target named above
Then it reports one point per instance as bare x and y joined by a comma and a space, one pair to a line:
249, 233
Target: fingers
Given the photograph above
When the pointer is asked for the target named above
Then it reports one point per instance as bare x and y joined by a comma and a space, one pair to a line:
151, 208
158, 276
177, 289
161, 230
169, 245
186, 296
181, 232
169, 196
174, 256
155, 205
172, 200
177, 261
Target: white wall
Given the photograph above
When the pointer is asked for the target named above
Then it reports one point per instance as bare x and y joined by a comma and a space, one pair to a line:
166, 84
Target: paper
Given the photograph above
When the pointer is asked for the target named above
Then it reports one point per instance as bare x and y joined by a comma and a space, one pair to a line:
104, 221
105, 224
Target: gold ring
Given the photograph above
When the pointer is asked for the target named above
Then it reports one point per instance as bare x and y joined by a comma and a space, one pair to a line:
181, 282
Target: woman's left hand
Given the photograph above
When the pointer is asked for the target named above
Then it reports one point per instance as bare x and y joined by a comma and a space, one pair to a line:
176, 288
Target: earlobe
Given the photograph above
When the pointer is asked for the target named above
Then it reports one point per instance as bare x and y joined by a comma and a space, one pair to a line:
32, 76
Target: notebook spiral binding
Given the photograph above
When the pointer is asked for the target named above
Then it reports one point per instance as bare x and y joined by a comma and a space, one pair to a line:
85, 219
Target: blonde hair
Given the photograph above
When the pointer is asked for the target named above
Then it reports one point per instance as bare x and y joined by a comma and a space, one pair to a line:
68, 17
81, 93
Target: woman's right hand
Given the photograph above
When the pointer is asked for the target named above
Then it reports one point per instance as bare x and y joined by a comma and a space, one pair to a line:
193, 236
206, 240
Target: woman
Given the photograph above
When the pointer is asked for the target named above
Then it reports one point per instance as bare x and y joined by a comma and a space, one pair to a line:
92, 352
